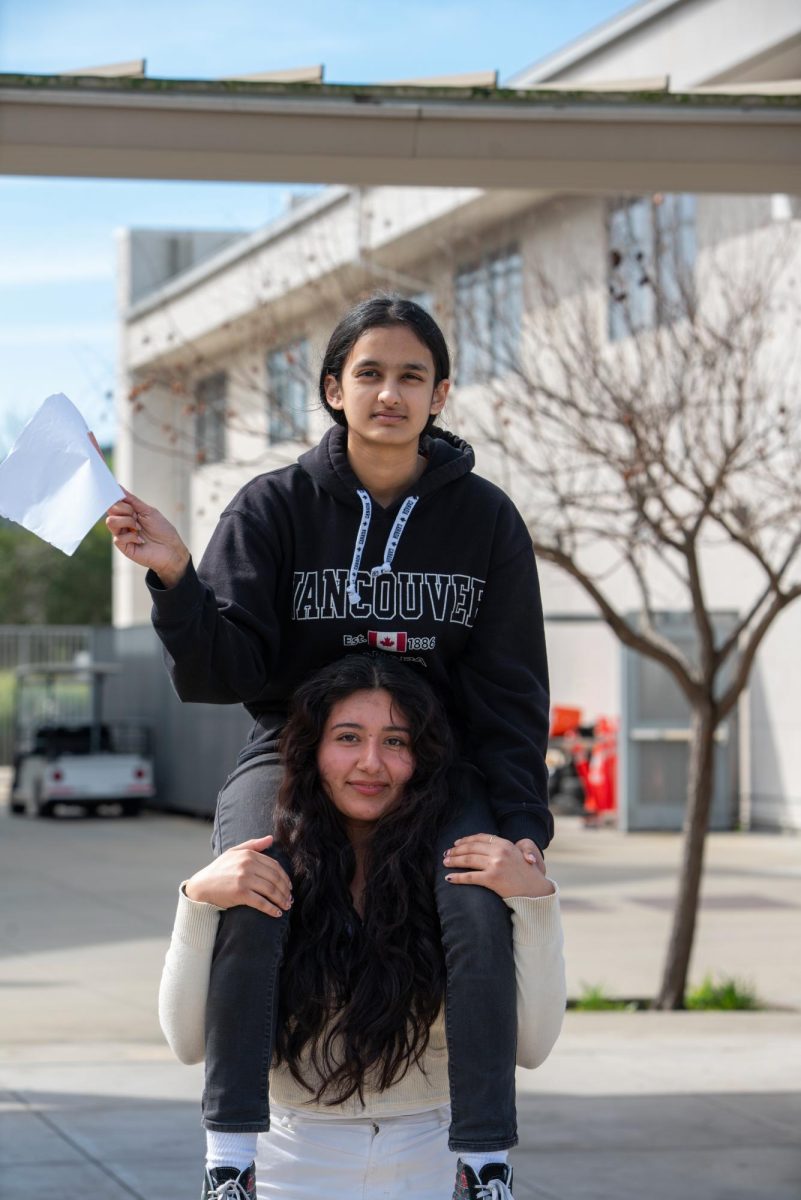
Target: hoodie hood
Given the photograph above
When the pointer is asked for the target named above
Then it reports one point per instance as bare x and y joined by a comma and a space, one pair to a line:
449, 457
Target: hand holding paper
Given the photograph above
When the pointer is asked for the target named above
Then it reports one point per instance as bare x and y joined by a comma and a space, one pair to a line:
54, 482
144, 535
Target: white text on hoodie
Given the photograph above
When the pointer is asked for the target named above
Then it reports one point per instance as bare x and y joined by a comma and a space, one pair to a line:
407, 595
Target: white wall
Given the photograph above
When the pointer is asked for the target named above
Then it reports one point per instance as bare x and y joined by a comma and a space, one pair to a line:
158, 255
147, 465
694, 42
775, 720
584, 662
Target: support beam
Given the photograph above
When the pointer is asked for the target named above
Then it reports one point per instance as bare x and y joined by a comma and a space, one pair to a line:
566, 141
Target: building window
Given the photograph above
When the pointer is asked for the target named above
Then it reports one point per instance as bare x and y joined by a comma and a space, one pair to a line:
288, 392
489, 313
652, 250
210, 395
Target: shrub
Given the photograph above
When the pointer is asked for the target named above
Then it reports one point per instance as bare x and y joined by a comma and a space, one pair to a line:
726, 994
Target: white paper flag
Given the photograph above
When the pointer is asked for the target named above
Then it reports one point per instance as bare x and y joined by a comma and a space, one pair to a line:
54, 482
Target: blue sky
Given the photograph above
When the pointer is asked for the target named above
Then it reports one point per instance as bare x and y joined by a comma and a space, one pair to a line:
57, 245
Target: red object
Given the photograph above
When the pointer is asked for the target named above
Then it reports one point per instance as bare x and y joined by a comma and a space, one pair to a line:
564, 720
599, 774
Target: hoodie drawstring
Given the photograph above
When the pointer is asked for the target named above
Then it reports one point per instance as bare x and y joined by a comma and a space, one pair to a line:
395, 535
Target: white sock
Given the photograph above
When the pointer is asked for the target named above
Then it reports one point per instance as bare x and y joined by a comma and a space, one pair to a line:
482, 1157
230, 1149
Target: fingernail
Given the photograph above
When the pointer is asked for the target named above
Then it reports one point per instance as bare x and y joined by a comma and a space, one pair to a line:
449, 878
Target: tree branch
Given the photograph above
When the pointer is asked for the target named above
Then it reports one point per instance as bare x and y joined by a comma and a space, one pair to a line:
652, 644
730, 696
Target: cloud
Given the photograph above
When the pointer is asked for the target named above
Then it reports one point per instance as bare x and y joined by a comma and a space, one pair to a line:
56, 333
24, 269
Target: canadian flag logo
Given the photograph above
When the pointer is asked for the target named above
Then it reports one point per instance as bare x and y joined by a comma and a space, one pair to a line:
387, 641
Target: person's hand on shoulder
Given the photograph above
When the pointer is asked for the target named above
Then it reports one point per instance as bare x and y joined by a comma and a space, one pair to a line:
144, 535
493, 862
243, 875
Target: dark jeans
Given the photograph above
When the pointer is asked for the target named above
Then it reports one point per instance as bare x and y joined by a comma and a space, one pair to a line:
480, 1009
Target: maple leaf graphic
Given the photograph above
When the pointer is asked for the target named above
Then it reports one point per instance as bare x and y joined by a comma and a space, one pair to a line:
386, 641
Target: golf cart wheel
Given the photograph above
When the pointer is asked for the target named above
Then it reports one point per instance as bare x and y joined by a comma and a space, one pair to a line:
17, 808
130, 808
42, 808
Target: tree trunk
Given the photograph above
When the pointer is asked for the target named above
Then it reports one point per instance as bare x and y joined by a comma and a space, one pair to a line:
700, 781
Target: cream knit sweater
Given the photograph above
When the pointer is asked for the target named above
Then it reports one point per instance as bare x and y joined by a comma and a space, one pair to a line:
537, 936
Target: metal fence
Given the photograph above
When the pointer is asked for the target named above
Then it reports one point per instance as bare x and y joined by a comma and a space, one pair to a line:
22, 645
194, 745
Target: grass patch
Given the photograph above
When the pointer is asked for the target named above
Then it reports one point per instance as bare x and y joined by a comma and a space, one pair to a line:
7, 680
724, 995
593, 998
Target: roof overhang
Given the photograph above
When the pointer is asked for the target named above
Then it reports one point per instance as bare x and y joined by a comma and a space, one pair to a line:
423, 136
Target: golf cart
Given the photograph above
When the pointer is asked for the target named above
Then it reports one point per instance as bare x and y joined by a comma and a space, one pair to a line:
65, 754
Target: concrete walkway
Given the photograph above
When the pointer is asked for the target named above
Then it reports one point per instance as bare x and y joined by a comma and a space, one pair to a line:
629, 1106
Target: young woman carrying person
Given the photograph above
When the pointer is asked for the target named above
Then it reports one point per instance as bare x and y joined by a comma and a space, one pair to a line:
380, 536
359, 1085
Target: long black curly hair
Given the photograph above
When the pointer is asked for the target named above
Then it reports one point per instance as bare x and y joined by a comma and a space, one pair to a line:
358, 997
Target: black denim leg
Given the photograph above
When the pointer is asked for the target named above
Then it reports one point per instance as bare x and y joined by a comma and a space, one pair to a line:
481, 1003
241, 1012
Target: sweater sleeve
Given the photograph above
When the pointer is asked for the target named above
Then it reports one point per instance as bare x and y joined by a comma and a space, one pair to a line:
219, 625
502, 682
539, 965
185, 978
540, 968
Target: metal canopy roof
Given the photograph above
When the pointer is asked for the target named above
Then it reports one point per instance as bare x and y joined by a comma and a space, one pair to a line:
594, 141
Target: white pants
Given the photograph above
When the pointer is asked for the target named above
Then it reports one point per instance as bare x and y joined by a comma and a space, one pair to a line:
313, 1157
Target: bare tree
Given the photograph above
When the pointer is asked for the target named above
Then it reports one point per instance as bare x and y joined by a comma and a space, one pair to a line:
649, 433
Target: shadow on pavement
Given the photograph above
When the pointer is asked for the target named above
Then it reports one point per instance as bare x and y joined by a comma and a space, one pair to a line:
715, 1146
736, 1146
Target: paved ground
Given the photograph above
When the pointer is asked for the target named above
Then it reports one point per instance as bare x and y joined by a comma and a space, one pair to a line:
630, 1105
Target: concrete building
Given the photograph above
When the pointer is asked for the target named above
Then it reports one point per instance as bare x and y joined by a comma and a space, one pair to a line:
220, 340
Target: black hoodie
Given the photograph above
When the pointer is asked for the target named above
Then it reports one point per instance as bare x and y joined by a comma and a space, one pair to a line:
303, 568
